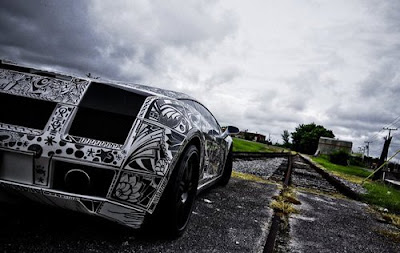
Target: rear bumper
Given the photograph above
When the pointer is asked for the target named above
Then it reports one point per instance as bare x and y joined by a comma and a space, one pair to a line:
103, 207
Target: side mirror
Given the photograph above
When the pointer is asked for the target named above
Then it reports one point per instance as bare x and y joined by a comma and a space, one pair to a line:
230, 130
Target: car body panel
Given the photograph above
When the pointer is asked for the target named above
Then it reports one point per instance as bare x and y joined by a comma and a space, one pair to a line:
138, 170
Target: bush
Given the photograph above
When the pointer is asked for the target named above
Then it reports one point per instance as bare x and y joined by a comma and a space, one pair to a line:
356, 161
340, 157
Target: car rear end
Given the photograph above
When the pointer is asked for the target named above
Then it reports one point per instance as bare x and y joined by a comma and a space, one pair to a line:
64, 141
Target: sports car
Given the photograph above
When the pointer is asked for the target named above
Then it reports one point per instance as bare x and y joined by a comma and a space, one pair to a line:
133, 154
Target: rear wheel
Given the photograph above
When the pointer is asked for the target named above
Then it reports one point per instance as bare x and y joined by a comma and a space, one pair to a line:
175, 207
226, 174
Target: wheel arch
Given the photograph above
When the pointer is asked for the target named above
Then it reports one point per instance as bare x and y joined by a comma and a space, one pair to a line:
196, 140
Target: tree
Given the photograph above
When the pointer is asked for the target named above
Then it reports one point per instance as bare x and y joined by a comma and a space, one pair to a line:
305, 137
285, 138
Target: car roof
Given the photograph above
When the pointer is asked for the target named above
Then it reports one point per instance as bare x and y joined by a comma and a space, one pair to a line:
149, 90
143, 89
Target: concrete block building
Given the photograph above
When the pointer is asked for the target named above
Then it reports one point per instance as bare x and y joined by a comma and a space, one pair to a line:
329, 145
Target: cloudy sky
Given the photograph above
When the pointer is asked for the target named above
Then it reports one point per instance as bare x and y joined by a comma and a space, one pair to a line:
265, 66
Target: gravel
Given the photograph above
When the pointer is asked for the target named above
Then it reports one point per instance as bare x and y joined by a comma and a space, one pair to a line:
259, 167
356, 188
303, 175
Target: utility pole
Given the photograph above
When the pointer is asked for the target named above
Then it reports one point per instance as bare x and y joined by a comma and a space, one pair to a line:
362, 151
367, 146
389, 138
385, 152
390, 130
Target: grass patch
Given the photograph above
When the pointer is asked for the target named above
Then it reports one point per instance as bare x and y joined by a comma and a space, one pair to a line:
240, 145
348, 170
383, 195
377, 194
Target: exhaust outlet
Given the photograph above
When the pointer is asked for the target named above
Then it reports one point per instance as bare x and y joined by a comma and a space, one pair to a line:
77, 181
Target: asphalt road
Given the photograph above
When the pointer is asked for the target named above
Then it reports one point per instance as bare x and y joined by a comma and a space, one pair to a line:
332, 224
225, 219
327, 221
234, 218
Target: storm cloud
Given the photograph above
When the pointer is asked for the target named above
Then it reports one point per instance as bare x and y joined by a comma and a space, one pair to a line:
264, 66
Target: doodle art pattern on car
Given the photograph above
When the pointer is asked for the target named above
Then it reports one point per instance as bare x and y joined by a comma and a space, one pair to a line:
169, 114
137, 190
138, 168
31, 85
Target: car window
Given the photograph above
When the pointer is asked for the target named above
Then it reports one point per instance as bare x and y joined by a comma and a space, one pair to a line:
210, 125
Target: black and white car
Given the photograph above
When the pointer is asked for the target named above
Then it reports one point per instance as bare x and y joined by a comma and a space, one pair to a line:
133, 154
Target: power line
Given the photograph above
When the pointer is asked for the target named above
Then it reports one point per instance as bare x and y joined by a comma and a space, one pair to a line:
387, 126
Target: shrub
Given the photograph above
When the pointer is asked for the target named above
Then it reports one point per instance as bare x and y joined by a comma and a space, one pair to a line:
356, 161
340, 157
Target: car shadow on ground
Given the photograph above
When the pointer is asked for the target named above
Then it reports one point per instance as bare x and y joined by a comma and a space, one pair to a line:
225, 219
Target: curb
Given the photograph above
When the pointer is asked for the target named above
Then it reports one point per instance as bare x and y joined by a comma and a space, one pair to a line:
334, 180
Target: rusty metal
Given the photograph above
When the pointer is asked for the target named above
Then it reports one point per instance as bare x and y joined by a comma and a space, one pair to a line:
288, 172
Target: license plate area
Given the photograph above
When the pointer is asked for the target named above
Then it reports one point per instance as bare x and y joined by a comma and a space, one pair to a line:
16, 167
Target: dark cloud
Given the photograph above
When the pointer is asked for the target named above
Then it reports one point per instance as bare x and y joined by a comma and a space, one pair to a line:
55, 34
79, 36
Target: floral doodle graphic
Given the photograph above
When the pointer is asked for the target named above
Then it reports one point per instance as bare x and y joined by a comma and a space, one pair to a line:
161, 166
128, 188
136, 189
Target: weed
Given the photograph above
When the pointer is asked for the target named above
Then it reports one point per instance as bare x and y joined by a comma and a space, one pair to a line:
283, 206
390, 234
251, 177
285, 201
392, 218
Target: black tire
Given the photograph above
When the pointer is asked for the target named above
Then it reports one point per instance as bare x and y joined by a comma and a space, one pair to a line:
226, 174
173, 212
